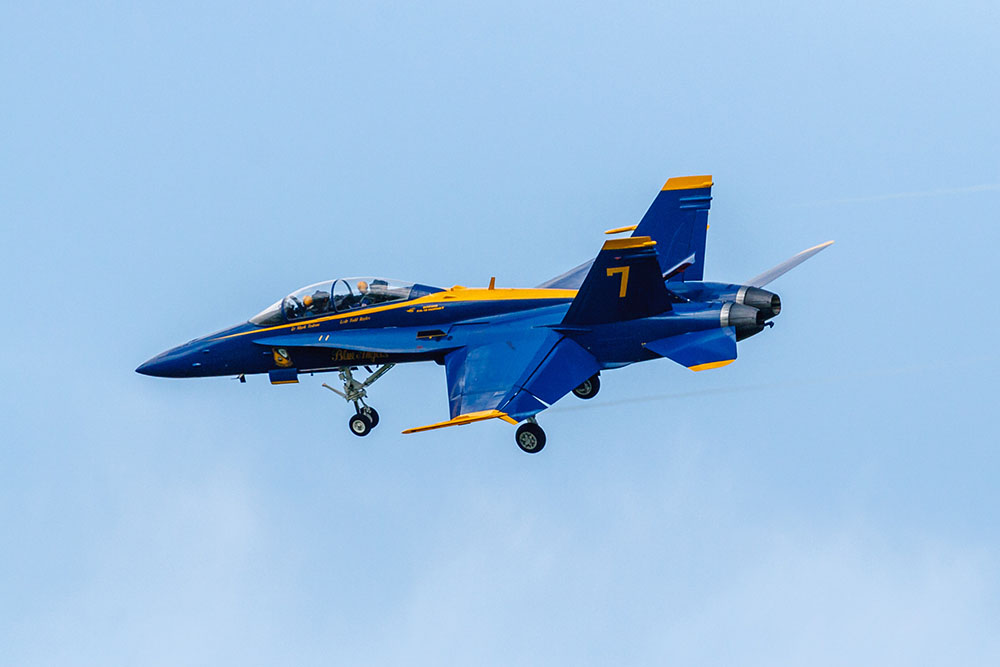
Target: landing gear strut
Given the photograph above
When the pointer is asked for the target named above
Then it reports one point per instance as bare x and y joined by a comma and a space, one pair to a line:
365, 417
530, 437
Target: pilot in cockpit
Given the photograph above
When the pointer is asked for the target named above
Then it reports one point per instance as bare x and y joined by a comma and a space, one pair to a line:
318, 302
373, 293
364, 293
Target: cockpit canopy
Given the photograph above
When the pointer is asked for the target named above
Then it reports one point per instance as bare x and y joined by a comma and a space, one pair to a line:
338, 296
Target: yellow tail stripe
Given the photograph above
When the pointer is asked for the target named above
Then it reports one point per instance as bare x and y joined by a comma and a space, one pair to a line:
630, 242
688, 183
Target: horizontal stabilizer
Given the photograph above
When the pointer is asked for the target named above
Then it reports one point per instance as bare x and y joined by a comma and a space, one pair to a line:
698, 350
786, 266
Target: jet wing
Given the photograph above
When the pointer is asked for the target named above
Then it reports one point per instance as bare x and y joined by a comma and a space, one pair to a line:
514, 375
572, 279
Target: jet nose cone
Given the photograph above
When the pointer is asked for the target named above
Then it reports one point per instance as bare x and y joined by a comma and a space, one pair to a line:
153, 367
170, 364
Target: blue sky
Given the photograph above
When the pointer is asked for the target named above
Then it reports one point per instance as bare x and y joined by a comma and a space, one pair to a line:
168, 170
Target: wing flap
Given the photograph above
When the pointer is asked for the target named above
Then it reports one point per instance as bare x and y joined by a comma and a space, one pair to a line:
461, 420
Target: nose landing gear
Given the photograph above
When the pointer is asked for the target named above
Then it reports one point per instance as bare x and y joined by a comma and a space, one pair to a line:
365, 417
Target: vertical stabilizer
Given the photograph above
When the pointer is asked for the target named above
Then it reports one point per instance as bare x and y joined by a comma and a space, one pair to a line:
678, 221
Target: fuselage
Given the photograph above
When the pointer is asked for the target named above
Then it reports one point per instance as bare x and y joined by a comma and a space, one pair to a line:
419, 329
232, 351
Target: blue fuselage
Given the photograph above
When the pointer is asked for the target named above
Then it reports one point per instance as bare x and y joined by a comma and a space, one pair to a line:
421, 329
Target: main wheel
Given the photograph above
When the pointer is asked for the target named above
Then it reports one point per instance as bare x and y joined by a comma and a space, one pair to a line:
530, 438
372, 415
360, 425
589, 388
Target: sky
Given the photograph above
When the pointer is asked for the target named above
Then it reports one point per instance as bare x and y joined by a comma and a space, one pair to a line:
170, 169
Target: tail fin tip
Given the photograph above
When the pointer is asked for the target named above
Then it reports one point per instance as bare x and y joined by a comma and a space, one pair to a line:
687, 183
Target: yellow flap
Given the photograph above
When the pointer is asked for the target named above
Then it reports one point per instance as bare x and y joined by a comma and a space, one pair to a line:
709, 366
468, 418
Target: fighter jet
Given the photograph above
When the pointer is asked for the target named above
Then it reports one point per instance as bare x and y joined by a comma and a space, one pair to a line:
508, 353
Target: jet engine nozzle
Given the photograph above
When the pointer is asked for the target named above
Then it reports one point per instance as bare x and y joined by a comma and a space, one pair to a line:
746, 320
766, 302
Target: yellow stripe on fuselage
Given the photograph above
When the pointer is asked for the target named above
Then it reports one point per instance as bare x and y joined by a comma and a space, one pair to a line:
453, 295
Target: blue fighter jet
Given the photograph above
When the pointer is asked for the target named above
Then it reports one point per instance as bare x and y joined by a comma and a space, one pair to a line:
508, 353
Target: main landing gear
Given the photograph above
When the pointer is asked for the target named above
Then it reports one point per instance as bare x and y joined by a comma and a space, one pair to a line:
588, 388
530, 436
365, 417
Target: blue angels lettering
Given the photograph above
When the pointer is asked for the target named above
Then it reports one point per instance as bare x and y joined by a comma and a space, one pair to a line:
508, 353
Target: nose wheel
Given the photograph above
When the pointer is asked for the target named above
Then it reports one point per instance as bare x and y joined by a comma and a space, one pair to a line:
365, 417
360, 425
